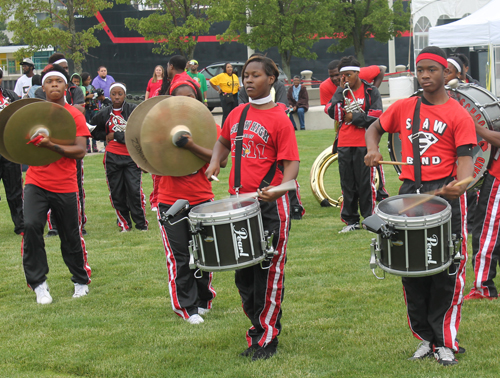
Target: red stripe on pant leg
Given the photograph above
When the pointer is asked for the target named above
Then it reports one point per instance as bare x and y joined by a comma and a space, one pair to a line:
373, 171
488, 239
86, 265
172, 274
454, 314
274, 290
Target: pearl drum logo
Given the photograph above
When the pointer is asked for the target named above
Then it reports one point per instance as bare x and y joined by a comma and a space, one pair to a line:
431, 242
239, 236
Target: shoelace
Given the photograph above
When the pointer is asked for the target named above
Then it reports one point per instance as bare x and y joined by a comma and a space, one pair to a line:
422, 349
445, 354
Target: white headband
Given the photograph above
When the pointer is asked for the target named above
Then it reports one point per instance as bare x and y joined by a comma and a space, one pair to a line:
54, 73
457, 66
118, 85
61, 61
350, 68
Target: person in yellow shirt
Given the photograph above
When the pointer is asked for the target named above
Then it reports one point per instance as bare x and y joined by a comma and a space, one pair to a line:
227, 84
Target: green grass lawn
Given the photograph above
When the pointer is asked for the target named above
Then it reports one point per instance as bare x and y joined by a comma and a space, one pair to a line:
338, 320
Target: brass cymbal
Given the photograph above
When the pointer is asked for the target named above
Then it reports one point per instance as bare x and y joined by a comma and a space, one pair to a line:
170, 118
133, 133
56, 120
5, 114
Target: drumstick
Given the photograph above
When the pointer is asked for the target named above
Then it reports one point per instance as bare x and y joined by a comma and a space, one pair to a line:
213, 177
392, 162
433, 194
286, 186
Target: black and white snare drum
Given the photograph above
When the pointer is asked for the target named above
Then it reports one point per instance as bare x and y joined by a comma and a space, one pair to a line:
417, 242
228, 234
484, 107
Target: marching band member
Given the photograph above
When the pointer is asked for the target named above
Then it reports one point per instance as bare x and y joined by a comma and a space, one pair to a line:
123, 176
446, 137
356, 179
268, 139
191, 293
54, 186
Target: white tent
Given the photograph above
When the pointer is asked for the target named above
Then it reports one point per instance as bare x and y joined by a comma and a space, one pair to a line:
481, 28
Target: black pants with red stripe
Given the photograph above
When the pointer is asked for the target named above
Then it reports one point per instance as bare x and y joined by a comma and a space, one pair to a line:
358, 184
262, 288
189, 288
12, 176
125, 190
434, 303
66, 210
485, 237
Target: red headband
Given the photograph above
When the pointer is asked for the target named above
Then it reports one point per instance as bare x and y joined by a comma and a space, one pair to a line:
179, 83
434, 57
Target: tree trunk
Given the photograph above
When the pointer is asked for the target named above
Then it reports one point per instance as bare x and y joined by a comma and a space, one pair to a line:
72, 65
358, 49
285, 64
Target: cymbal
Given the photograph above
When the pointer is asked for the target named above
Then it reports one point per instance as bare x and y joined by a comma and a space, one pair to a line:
56, 120
5, 114
167, 120
133, 133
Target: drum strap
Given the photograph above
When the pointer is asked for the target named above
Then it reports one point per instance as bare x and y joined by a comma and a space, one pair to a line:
266, 181
415, 140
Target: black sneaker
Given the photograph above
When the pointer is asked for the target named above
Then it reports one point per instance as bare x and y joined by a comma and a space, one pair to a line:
84, 232
445, 356
52, 232
297, 212
263, 353
250, 350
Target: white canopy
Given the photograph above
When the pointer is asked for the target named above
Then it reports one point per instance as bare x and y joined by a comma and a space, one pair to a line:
481, 28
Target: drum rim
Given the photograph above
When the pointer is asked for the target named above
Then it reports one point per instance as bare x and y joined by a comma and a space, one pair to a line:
221, 268
243, 212
415, 273
428, 221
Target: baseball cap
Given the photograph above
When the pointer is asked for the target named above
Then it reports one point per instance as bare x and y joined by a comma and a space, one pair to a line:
192, 61
28, 61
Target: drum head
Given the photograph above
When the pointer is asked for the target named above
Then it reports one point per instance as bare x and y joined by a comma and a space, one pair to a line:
224, 209
394, 205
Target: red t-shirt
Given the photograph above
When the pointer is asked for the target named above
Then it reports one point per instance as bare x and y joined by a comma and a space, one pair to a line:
194, 187
495, 165
153, 88
60, 176
267, 137
327, 89
349, 134
443, 128
116, 122
183, 76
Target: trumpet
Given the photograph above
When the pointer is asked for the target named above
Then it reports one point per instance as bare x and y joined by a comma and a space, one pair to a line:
350, 107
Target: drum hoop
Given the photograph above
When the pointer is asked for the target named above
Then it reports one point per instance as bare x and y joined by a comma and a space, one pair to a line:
233, 267
471, 99
416, 273
233, 214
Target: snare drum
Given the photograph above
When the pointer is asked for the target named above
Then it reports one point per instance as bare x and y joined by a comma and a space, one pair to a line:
228, 234
421, 243
484, 108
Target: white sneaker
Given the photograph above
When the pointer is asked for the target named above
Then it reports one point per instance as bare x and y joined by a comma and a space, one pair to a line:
195, 319
424, 350
42, 293
203, 311
445, 356
350, 227
80, 290
155, 209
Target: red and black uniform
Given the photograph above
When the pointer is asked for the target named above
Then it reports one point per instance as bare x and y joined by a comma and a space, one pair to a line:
356, 179
485, 234
434, 303
11, 174
123, 175
188, 291
268, 138
54, 186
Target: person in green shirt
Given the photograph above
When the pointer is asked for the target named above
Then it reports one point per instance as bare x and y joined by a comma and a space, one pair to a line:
193, 72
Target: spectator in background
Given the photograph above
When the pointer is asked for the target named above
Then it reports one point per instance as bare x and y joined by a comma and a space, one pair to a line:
370, 74
103, 80
299, 101
199, 78
76, 79
36, 82
227, 85
91, 106
154, 84
24, 82
465, 75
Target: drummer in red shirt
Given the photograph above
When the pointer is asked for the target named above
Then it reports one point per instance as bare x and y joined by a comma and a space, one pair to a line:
446, 137
54, 186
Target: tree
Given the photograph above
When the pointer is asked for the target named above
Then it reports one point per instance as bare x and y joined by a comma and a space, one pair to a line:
353, 21
4, 40
293, 26
174, 26
40, 24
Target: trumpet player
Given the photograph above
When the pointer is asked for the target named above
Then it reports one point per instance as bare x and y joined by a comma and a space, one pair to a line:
355, 106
